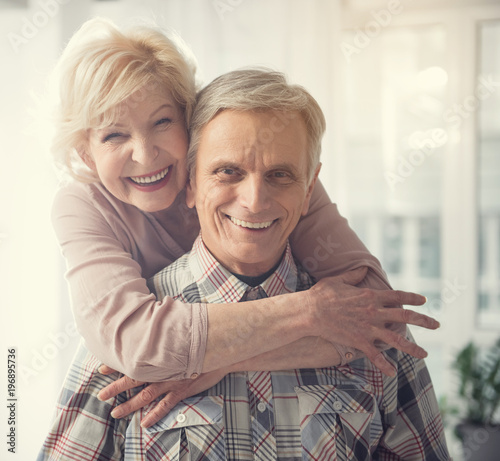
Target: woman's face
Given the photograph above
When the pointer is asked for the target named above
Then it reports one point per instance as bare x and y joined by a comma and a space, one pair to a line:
141, 157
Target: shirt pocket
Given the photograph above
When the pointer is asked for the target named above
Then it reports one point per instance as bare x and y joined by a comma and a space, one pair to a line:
193, 430
338, 422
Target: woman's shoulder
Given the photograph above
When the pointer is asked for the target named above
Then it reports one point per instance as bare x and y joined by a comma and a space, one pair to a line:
89, 205
90, 198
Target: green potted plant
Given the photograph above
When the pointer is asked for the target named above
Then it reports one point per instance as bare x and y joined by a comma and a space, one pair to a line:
479, 390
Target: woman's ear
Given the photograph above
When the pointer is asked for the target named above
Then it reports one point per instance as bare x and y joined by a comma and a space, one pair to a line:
87, 159
307, 201
190, 192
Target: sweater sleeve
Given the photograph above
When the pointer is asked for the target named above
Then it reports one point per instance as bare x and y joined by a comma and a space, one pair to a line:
326, 246
120, 319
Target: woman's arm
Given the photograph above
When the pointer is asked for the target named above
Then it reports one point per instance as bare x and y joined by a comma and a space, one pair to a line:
120, 319
126, 328
334, 310
326, 246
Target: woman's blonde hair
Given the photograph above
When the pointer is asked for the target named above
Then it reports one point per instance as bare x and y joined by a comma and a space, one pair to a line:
102, 66
258, 89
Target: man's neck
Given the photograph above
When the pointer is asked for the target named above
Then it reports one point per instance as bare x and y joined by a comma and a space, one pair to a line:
255, 280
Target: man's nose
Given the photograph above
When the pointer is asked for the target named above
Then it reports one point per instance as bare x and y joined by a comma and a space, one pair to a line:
144, 151
254, 194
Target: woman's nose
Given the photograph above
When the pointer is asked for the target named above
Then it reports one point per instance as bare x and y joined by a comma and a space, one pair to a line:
144, 151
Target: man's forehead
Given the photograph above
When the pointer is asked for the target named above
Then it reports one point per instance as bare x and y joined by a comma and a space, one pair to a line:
248, 138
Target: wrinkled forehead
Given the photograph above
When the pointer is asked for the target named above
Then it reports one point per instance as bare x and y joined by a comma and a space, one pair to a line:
110, 107
122, 105
255, 135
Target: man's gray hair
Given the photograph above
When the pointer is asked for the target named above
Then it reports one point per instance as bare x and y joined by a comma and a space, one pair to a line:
258, 89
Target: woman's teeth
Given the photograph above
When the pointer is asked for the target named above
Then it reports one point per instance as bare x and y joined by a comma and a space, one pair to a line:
150, 179
250, 225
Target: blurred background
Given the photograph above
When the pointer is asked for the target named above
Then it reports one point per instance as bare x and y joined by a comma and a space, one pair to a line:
411, 92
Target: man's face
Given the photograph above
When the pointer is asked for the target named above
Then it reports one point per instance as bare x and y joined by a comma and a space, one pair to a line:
250, 186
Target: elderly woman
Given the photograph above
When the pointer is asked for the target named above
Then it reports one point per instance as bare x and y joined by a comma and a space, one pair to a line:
125, 105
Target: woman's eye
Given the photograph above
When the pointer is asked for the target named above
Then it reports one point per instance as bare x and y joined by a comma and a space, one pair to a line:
111, 136
163, 121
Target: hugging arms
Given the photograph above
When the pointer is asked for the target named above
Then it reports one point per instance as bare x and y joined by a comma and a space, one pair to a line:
128, 219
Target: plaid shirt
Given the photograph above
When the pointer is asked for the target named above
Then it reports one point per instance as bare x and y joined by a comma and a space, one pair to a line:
351, 412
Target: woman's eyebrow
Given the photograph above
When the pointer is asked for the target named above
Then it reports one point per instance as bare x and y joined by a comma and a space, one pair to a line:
163, 106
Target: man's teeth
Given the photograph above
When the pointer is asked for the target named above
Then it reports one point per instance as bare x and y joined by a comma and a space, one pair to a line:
150, 179
251, 225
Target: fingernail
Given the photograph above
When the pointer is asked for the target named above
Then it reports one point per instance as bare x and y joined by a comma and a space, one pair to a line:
100, 369
116, 413
100, 397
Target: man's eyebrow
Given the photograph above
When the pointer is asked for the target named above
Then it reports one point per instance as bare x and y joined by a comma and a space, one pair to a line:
218, 164
284, 166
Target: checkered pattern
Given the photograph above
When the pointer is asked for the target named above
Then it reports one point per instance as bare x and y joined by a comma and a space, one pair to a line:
352, 412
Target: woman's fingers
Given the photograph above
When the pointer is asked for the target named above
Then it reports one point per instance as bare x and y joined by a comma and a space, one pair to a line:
120, 385
141, 399
105, 370
184, 389
162, 408
400, 315
398, 297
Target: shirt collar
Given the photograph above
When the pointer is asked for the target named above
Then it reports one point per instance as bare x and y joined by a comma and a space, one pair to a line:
218, 285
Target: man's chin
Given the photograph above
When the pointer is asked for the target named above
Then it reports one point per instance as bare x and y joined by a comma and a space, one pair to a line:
254, 259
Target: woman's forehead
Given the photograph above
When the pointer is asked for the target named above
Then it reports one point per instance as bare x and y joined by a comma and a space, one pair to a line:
145, 100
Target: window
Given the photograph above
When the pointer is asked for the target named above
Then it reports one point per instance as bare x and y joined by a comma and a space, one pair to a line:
421, 137
488, 133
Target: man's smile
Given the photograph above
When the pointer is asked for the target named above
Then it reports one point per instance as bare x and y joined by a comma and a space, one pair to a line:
251, 225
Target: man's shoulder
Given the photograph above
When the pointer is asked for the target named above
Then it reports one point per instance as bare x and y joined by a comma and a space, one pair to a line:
304, 279
176, 281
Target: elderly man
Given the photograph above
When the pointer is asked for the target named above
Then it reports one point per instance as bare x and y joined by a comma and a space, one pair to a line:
254, 158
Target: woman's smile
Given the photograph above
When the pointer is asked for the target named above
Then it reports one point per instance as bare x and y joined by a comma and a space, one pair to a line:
150, 139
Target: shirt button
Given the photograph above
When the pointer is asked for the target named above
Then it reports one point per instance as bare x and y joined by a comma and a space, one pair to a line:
194, 375
261, 407
181, 418
252, 295
337, 405
348, 355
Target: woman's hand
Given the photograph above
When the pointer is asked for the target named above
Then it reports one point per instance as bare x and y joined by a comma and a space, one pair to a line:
174, 391
360, 317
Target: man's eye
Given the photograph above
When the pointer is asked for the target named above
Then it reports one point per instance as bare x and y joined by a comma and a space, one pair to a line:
228, 174
280, 176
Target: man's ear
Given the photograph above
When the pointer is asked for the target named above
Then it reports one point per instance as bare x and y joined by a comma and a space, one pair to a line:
307, 201
190, 191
